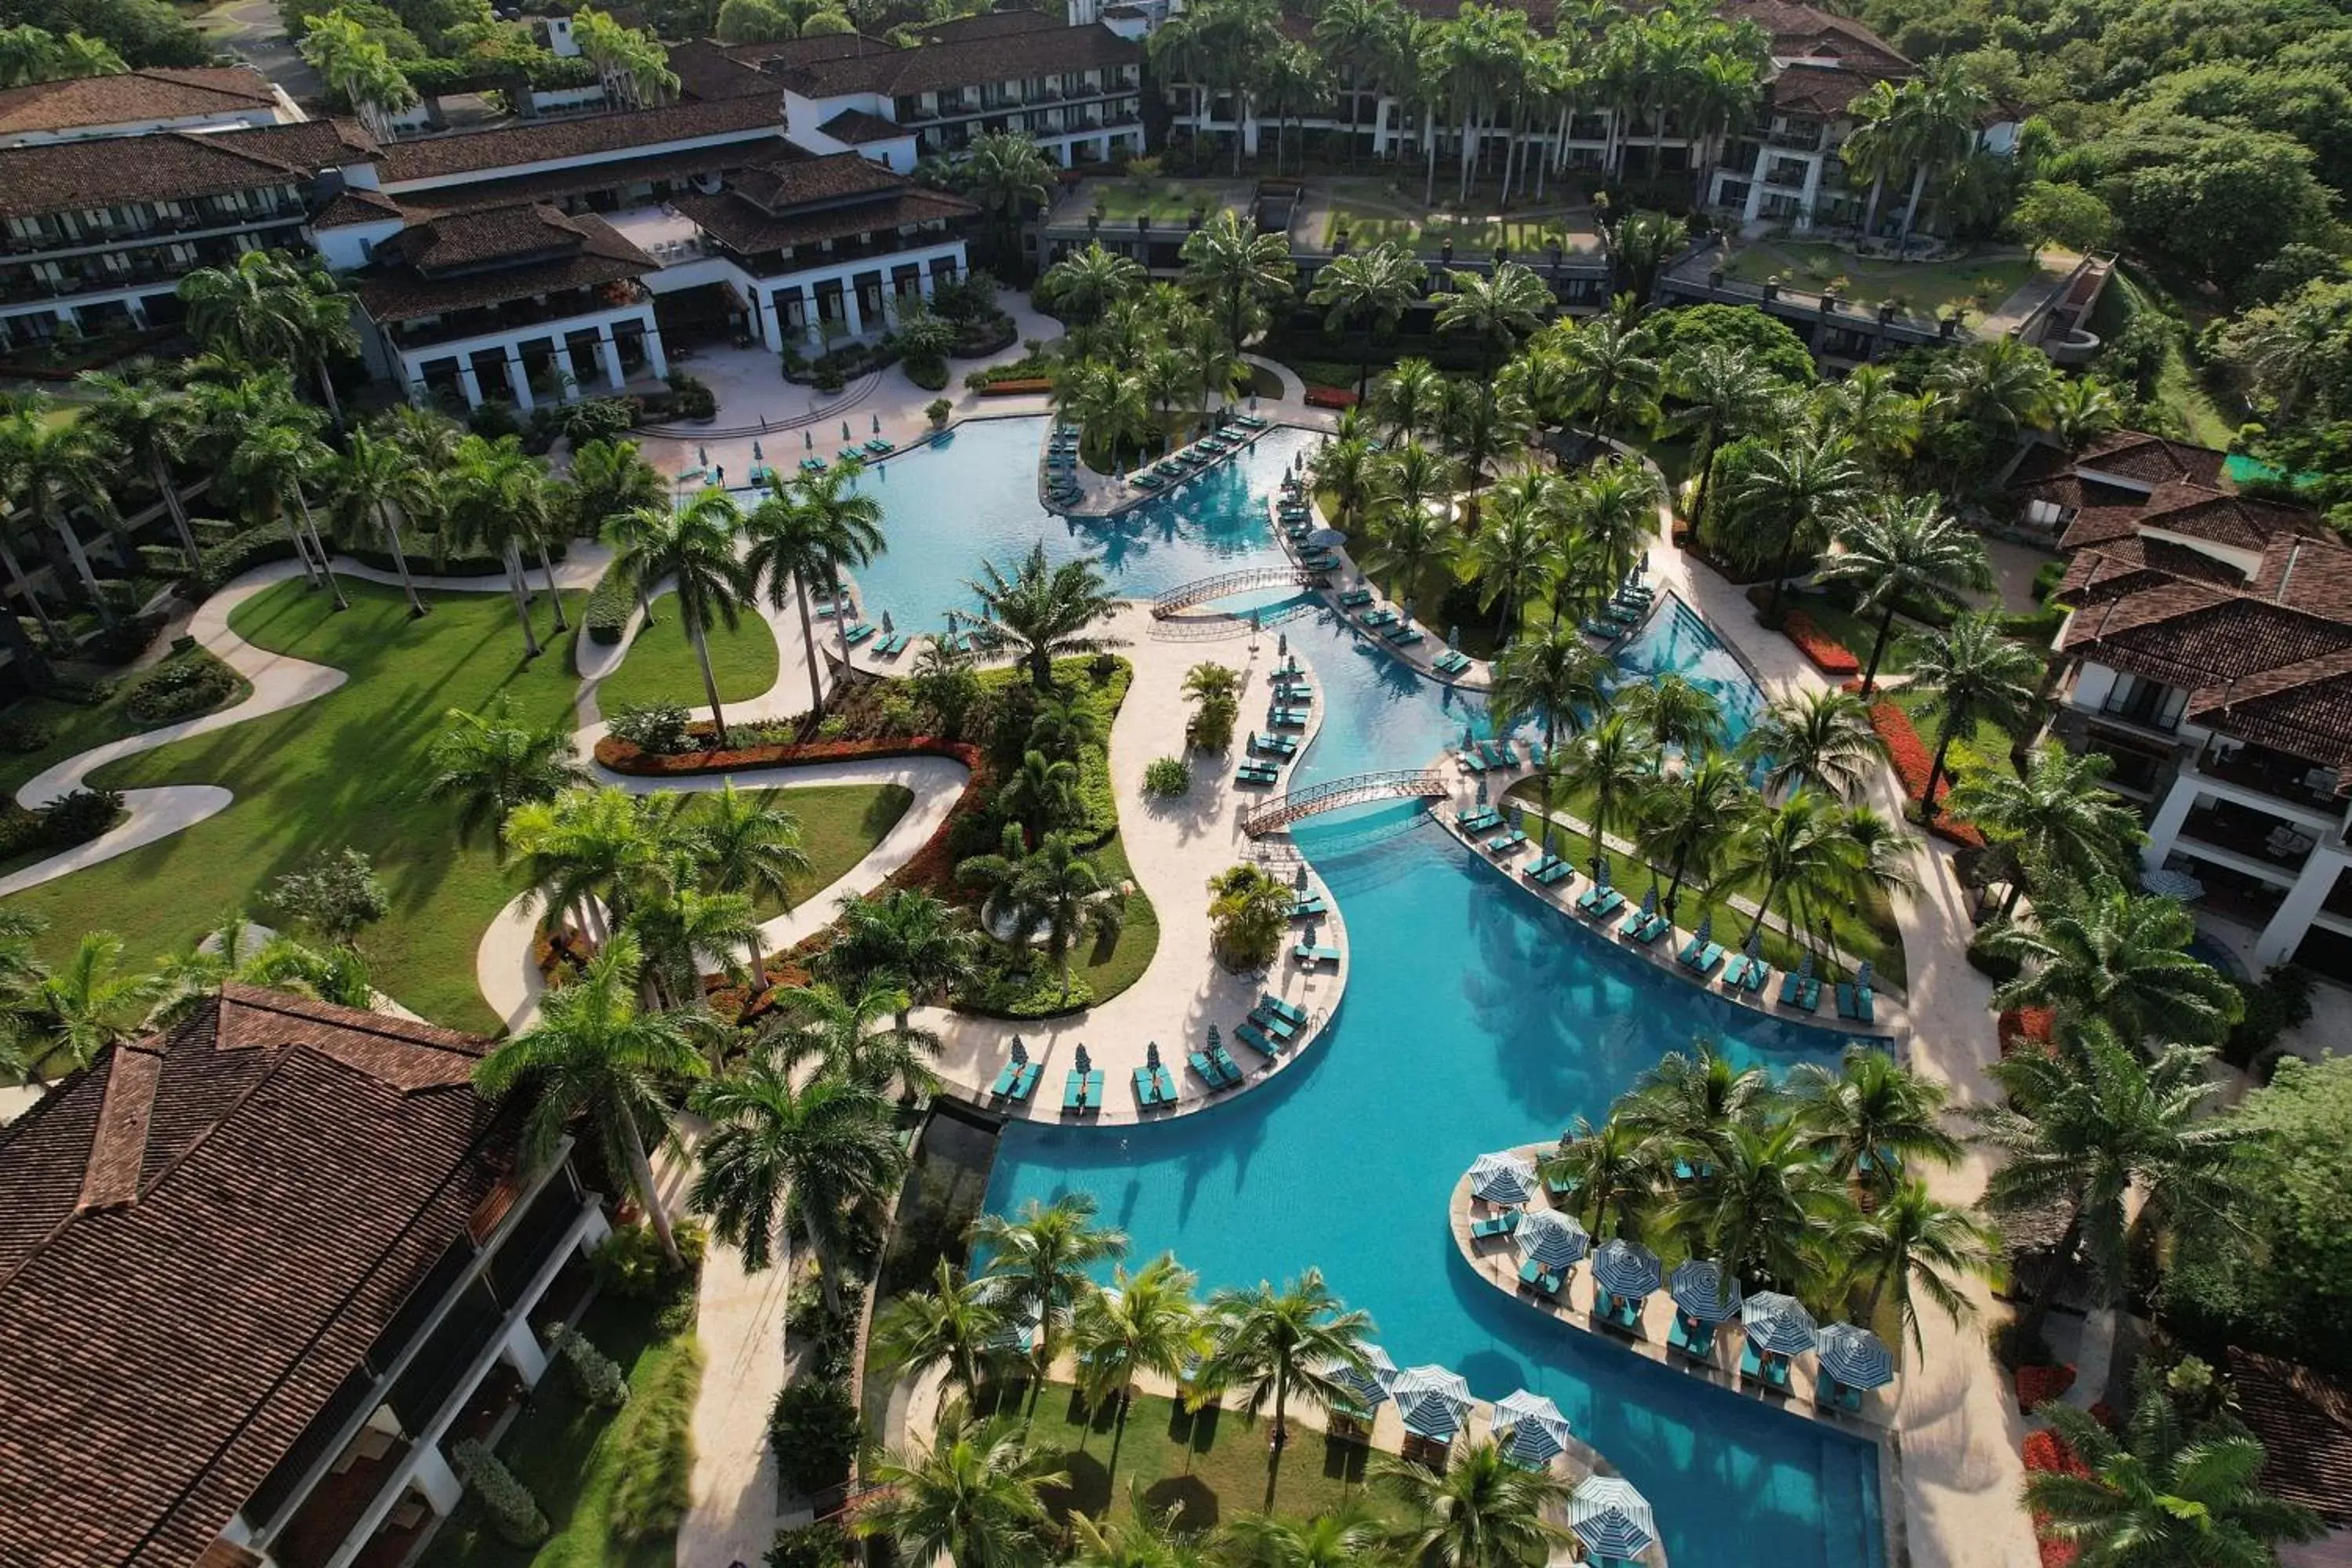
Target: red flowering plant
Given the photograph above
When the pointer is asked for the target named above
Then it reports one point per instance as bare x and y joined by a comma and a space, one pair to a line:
2037, 1385
1912, 761
1828, 655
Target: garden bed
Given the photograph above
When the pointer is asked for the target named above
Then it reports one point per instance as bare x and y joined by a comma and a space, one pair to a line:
1912, 758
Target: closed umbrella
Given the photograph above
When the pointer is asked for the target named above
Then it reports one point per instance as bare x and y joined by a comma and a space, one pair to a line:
1084, 1062
1538, 1431
1453, 636
757, 455
1610, 1517
702, 455
886, 627
1325, 539
877, 425
1298, 880
1777, 1323
1600, 872
1020, 1052
1433, 1402
1550, 1240
1368, 1388
1151, 1056
1624, 1268
1706, 1290
1856, 1357
844, 430
1706, 932
1482, 789
1504, 1178
808, 440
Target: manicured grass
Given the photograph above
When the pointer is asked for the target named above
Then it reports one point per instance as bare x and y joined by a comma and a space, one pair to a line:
1369, 213
660, 666
347, 769
571, 1456
1214, 1464
1161, 201
1972, 285
1856, 633
78, 729
840, 826
1110, 967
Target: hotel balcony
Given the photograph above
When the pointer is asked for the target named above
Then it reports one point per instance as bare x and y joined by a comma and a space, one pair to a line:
531, 312
2297, 780
2255, 839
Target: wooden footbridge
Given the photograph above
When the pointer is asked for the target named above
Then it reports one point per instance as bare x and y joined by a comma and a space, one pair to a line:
1186, 596
1334, 795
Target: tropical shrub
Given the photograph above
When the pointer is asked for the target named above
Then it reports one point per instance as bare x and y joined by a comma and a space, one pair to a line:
80, 817
937, 410
690, 396
334, 895
2037, 1385
593, 1375
656, 1449
657, 728
2280, 1001
513, 1512
821, 1545
610, 606
1247, 915
629, 1262
1912, 759
1166, 776
24, 732
180, 689
813, 1428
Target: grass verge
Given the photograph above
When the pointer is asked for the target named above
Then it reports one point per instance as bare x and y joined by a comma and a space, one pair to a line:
75, 729
840, 826
660, 666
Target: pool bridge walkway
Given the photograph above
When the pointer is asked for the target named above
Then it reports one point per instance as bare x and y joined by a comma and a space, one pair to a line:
1335, 795
1186, 596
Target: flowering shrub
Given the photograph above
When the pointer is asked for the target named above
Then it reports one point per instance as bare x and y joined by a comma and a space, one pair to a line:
2048, 1451
2037, 1385
1018, 387
1330, 397
1828, 655
2026, 1026
1912, 759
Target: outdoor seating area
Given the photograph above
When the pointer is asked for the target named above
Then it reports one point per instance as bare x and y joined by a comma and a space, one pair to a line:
1240, 431
1061, 475
1627, 608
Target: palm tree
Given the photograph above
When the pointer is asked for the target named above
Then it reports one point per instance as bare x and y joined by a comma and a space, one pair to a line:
1797, 848
973, 1497
1006, 174
1348, 1536
1041, 795
951, 1325
1914, 1246
1044, 613
905, 936
1039, 1266
607, 479
1516, 550
1368, 288
375, 482
745, 843
1144, 1322
1971, 672
595, 1058
1409, 537
1615, 359
1678, 713
809, 530
1563, 678
1766, 1206
498, 502
1482, 1511
1064, 894
1346, 469
2105, 953
63, 1019
2058, 817
267, 308
1240, 273
1249, 910
1880, 147
590, 852
2005, 384
1408, 399
1084, 285
1904, 551
49, 467
2083, 406
492, 762
1497, 308
1724, 395
694, 548
1617, 507
1611, 767
1363, 39
1795, 486
1942, 107
814, 1153
155, 425
2092, 1125
1820, 740
1284, 1345
1689, 1103
1872, 1109
676, 923
1611, 1172
2160, 1495
1871, 409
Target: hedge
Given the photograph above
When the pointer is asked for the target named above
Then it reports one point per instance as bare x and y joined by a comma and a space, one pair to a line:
1330, 397
514, 1512
1911, 760
656, 1447
610, 604
1019, 387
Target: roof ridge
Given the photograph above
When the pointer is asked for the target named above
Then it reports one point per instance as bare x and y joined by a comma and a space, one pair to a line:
361, 1020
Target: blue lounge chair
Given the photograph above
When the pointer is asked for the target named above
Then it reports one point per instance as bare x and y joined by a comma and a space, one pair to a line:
1494, 1225
1355, 598
1622, 1313
1753, 981
1539, 1279
1287, 718
1856, 1002
1599, 901
1147, 1087
1551, 870
858, 633
1693, 1338
1827, 1391
1294, 692
1074, 1091
1313, 955
1645, 929
1225, 1064
1148, 481
1383, 617
1267, 1002
1403, 636
1478, 821
878, 447
1257, 775
1450, 663
1701, 955
1256, 1039
1016, 1082
1273, 745
1772, 1371
1207, 1070
1318, 559
1508, 842
1562, 1186
1310, 908
1275, 1024
1499, 753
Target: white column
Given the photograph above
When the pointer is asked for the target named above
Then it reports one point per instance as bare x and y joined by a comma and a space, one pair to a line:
764, 318
437, 1481
660, 360
521, 1352
468, 382
923, 276
2165, 831
609, 352
517, 382
2286, 932
853, 320
1755, 184
1812, 192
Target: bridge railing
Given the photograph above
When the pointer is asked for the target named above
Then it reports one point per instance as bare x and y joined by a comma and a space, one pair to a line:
1334, 793
1186, 595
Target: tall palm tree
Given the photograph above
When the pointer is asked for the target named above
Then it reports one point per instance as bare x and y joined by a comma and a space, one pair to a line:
49, 467
1043, 613
267, 308
1500, 309
1007, 174
1346, 471
813, 1154
2063, 824
973, 1497
596, 1059
676, 924
1689, 1103
1871, 1110
1796, 486
272, 464
593, 852
1723, 395
810, 529
1677, 712
1284, 1345
905, 936
951, 1325
1904, 551
1617, 507
1064, 894
2158, 1494
1616, 359
1971, 672
2004, 385
1083, 285
1611, 767
1039, 1267
1362, 40
2105, 953
1797, 848
63, 1018
694, 549
498, 502
1881, 145
1409, 399
745, 843
1143, 1322
2095, 1124
374, 482
607, 479
1369, 289
1408, 536
1611, 1169
854, 1034
1562, 678
1348, 1536
155, 425
491, 762
1819, 740
1240, 274
1515, 551
1482, 1511
1766, 1206
1871, 409
1915, 1247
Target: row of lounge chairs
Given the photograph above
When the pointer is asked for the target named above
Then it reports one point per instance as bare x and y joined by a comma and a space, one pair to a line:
1206, 452
1624, 613
1487, 755
1062, 468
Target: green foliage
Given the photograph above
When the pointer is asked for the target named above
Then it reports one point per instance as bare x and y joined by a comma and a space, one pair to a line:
813, 1428
629, 1262
655, 1448
333, 896
1166, 776
2068, 216
180, 688
79, 817
937, 410
690, 396
143, 31
2280, 1001
594, 1377
658, 728
2214, 200
513, 1512
821, 1545
610, 607
1761, 339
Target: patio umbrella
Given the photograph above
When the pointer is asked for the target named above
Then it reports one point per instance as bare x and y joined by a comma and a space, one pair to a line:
1214, 1040
1254, 627
1777, 1323
886, 627
1626, 1268
1453, 636
1468, 739
808, 440
1433, 1402
1020, 1052
1299, 878
1151, 1056
1856, 1357
1325, 538
1610, 1517
844, 430
1864, 976
1701, 1287
1550, 1239
1282, 645
1369, 1387
1753, 947
1706, 932
1084, 1063
719, 476
1503, 1178
1538, 1431
2177, 885
703, 454
757, 455
1600, 872
1650, 902
1482, 789
877, 425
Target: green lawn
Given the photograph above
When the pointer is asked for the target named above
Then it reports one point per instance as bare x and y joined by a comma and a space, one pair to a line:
78, 729
348, 769
1110, 967
660, 666
1214, 1464
1161, 201
1972, 285
840, 825
569, 1455
1369, 212
1854, 632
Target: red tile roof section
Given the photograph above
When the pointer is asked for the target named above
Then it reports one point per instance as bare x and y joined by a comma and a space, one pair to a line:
2304, 1420
132, 98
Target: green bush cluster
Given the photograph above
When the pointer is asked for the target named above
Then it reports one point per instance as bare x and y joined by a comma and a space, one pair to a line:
660, 728
823, 1544
610, 604
513, 1512
181, 688
690, 396
24, 732
657, 1449
594, 1377
813, 1428
1166, 776
629, 1262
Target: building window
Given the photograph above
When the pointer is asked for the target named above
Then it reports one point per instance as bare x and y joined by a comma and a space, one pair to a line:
2148, 703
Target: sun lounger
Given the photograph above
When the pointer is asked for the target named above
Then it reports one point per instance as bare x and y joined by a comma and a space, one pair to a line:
1274, 745
1800, 991
1275, 1024
1355, 597
880, 448
1472, 760
1015, 1082
1286, 717
1551, 870
1267, 1002
1225, 1064
1506, 842
1693, 1338
1146, 1090
1313, 955
858, 633
1830, 1393
1753, 981
1645, 931
1403, 636
1073, 1090
1701, 959
1771, 1371
1600, 902
1383, 617
1146, 481
892, 647
1256, 1039
1494, 1225
1499, 753
812, 465
1539, 1279
1478, 821
1450, 664
826, 609
1620, 1312
1856, 1001
1317, 560
1308, 908
1257, 775
1294, 692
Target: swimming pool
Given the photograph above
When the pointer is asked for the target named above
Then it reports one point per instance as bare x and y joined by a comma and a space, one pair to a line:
1675, 640
1473, 1020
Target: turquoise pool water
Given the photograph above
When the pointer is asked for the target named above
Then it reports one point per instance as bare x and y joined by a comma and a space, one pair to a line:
1475, 1019
1677, 641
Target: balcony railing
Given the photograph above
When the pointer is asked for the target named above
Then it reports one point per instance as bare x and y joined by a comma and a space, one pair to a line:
508, 317
2252, 834
2294, 779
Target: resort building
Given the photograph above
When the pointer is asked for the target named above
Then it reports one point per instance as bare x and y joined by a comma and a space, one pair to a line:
259, 1274
2209, 655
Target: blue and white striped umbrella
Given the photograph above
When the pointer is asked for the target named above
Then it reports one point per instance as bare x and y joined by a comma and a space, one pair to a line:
1433, 1402
1610, 1517
1504, 1178
1369, 1387
1626, 1268
1551, 1238
1856, 1357
1777, 1323
1702, 1288
1538, 1430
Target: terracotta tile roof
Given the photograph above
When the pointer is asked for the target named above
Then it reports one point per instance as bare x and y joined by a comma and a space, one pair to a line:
706, 71
1823, 92
781, 54
605, 173
310, 146
355, 205
2154, 458
591, 136
132, 97
752, 230
1809, 32
782, 183
71, 176
2304, 1421
855, 127
965, 62
301, 1168
474, 259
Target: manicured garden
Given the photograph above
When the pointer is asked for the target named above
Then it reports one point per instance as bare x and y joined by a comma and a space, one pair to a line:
660, 666
38, 732
1971, 285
